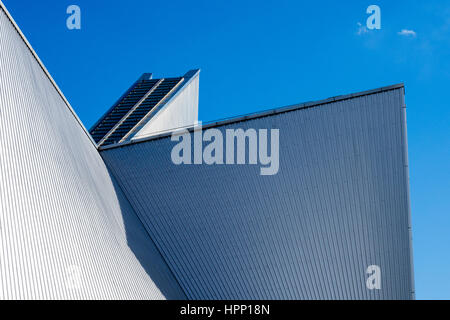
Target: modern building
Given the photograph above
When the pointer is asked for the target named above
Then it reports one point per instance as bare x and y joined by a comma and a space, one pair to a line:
107, 214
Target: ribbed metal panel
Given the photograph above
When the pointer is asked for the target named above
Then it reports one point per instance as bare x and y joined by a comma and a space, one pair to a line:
338, 204
66, 229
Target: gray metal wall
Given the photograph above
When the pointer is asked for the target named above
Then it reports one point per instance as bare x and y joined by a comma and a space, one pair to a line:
66, 229
338, 204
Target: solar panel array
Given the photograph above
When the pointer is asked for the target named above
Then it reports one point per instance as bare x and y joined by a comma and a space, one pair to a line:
120, 121
121, 109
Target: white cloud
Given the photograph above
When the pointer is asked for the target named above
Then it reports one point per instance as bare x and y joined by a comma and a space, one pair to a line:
361, 29
407, 33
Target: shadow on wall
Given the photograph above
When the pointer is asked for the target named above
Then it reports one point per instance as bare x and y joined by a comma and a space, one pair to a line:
145, 249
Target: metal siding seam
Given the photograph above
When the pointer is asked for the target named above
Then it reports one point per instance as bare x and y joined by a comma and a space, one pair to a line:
321, 279
392, 173
347, 175
370, 225
408, 192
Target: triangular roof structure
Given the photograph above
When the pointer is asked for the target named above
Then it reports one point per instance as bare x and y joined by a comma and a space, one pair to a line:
143, 100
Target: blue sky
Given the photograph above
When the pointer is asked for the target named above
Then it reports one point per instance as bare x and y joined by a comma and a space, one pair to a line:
256, 55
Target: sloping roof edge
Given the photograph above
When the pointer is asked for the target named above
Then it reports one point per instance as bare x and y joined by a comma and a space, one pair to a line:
41, 64
270, 112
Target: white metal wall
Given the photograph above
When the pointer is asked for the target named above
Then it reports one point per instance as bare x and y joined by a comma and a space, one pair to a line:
66, 229
338, 204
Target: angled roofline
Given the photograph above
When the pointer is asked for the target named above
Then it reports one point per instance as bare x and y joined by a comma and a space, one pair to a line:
145, 76
256, 115
41, 64
187, 79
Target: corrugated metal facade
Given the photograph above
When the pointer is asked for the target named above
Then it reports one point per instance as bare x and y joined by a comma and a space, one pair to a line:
66, 229
338, 204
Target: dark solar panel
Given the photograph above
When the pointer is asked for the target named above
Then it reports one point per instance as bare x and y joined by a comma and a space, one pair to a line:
121, 109
142, 110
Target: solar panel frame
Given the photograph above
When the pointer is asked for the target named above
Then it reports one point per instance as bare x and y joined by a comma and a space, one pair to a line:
120, 110
159, 94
